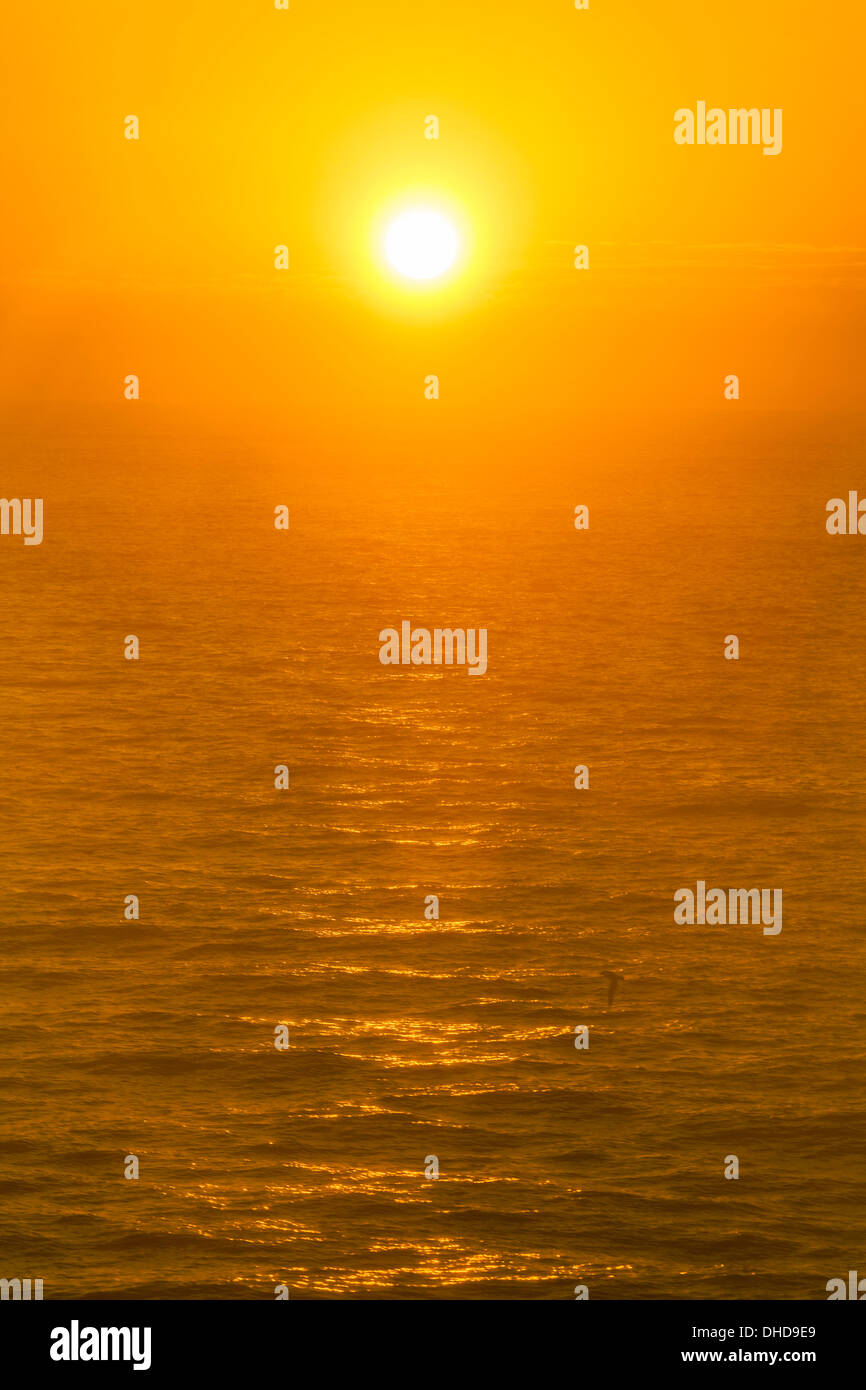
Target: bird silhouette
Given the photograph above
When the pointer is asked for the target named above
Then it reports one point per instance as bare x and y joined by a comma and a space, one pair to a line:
613, 978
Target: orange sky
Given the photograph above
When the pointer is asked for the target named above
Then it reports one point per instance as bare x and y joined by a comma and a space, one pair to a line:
260, 127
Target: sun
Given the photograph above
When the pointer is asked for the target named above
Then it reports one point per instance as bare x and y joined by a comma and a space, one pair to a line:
421, 244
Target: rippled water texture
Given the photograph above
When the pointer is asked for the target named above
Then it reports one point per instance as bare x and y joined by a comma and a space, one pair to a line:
411, 1037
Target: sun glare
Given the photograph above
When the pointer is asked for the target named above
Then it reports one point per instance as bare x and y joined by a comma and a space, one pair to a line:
421, 244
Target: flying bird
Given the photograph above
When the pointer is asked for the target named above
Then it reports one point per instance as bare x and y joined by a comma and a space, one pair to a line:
613, 978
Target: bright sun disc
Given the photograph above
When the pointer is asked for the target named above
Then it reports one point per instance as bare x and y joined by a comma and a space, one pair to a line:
421, 244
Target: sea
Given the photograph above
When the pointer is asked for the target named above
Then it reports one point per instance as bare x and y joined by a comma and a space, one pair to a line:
413, 1037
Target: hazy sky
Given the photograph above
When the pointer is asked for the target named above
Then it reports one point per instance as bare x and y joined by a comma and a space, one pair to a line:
259, 127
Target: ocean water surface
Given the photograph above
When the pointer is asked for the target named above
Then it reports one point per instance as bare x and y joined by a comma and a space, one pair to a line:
411, 1037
